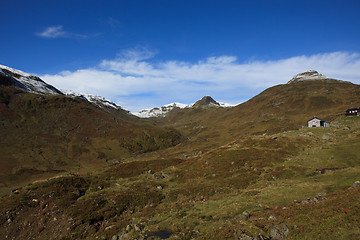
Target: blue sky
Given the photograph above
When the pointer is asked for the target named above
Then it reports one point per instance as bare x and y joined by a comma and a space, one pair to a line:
146, 53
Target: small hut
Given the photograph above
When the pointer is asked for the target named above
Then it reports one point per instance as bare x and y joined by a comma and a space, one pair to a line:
353, 112
317, 122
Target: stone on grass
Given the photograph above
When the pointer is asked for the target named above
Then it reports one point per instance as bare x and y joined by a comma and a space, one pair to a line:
245, 215
272, 217
279, 232
355, 184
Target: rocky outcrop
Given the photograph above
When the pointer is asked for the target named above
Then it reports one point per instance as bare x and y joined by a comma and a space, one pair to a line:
306, 76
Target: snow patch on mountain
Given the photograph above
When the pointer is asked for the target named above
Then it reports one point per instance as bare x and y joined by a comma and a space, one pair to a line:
159, 112
18, 72
97, 100
26, 81
306, 76
164, 110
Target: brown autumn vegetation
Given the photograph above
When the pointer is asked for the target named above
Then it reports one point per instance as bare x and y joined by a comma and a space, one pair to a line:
208, 173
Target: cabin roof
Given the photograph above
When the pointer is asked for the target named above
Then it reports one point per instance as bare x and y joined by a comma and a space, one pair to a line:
350, 109
316, 118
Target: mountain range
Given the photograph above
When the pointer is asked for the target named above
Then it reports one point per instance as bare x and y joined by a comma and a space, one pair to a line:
206, 101
75, 166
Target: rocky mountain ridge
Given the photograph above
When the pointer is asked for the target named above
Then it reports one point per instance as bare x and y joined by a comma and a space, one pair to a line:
205, 102
27, 82
311, 75
30, 83
97, 100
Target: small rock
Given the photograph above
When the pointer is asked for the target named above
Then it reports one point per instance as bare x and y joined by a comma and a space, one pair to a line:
355, 184
115, 237
245, 215
159, 187
243, 236
304, 202
325, 137
160, 176
272, 217
100, 187
279, 232
150, 171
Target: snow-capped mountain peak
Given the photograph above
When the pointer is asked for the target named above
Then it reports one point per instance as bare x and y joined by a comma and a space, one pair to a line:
13, 77
206, 101
159, 112
306, 76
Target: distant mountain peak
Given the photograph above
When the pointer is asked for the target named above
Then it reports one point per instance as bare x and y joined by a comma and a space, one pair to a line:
159, 111
205, 102
306, 76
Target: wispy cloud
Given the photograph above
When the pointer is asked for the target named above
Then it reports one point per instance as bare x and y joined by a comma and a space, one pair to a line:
135, 82
52, 32
59, 32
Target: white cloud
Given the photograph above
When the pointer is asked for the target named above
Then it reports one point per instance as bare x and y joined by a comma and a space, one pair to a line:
135, 82
52, 32
59, 32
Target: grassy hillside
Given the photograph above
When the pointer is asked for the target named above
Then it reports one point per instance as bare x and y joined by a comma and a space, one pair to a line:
249, 172
46, 135
249, 187
279, 108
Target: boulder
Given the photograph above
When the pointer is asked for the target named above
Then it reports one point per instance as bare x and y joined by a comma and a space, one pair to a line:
279, 232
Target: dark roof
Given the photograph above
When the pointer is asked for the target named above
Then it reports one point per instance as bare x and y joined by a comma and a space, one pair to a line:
351, 109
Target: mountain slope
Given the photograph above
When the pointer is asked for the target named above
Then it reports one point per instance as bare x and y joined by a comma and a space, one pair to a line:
44, 132
279, 108
248, 172
30, 83
298, 184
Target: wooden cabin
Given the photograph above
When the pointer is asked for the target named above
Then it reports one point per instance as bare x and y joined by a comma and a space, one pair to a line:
317, 122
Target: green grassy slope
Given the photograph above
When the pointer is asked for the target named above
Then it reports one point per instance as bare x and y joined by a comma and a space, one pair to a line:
44, 135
